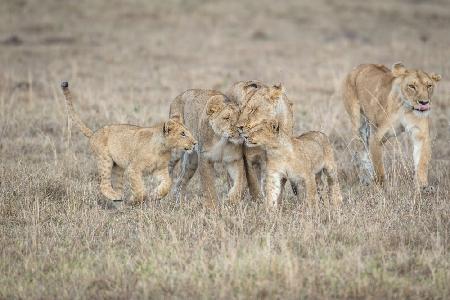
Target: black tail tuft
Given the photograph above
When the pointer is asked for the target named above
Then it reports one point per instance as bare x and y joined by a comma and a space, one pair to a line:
64, 84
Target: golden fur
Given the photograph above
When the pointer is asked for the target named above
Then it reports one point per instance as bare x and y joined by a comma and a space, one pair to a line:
211, 117
383, 103
295, 158
258, 102
134, 151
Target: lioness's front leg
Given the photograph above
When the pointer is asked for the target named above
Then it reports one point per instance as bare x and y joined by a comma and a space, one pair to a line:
273, 188
206, 170
237, 173
164, 185
251, 174
421, 155
134, 174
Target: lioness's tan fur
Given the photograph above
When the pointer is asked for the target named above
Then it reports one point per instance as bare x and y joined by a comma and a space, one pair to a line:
258, 102
384, 102
304, 157
211, 117
134, 151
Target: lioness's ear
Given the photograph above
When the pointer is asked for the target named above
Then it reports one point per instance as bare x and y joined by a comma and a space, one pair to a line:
168, 126
276, 91
274, 126
398, 69
435, 77
214, 105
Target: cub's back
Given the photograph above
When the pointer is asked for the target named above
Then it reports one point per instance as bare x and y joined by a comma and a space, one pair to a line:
314, 145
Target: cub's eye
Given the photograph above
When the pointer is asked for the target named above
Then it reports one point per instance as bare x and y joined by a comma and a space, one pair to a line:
183, 134
226, 118
429, 86
412, 86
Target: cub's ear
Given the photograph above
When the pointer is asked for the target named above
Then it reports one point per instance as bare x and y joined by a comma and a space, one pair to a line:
276, 91
252, 85
214, 105
398, 69
273, 123
169, 126
435, 77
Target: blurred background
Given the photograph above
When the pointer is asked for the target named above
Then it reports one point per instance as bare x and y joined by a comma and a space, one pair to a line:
125, 61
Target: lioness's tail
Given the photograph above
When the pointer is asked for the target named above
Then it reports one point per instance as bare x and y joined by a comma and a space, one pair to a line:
71, 112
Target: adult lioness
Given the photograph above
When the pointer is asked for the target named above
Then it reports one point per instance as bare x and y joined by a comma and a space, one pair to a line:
382, 103
211, 117
258, 102
304, 157
133, 150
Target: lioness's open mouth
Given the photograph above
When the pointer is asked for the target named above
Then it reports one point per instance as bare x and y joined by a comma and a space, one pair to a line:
422, 107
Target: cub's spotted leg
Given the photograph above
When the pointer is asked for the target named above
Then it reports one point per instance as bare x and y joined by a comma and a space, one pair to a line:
118, 178
206, 169
164, 185
236, 172
105, 165
311, 191
134, 175
334, 190
273, 189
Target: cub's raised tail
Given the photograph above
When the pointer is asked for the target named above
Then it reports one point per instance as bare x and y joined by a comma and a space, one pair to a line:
71, 112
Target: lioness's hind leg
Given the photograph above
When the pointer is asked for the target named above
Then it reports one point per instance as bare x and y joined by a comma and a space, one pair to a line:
105, 164
362, 148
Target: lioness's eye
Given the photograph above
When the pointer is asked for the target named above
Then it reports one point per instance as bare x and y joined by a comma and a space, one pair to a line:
412, 86
183, 134
429, 86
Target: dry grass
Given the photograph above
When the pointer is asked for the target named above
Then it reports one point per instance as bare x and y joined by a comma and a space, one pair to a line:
126, 62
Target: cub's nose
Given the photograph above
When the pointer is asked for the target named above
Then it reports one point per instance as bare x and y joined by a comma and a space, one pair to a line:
423, 102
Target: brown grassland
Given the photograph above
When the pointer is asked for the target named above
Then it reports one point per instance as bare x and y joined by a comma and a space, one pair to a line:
126, 61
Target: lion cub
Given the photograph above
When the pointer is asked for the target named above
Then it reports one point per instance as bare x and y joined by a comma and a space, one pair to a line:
211, 117
294, 158
133, 150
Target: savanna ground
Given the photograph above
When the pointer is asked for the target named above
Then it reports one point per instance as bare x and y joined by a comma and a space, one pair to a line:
125, 62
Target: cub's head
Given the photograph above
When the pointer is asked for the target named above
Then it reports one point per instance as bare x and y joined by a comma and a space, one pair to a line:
261, 103
263, 134
222, 117
416, 88
177, 136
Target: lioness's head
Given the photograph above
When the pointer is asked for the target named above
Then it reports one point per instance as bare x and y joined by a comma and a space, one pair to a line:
222, 117
177, 136
415, 87
260, 104
264, 133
